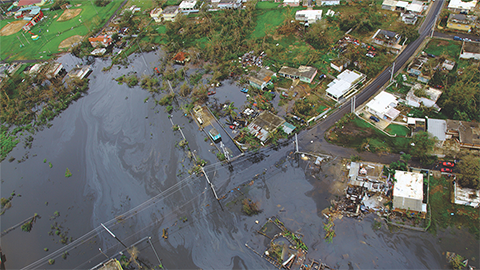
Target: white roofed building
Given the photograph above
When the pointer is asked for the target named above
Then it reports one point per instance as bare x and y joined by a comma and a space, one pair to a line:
345, 84
292, 3
408, 192
383, 106
415, 8
188, 6
458, 6
437, 128
310, 16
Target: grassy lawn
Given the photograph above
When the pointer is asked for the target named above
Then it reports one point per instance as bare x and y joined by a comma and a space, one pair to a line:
267, 20
267, 5
52, 32
441, 190
359, 134
440, 47
145, 5
398, 130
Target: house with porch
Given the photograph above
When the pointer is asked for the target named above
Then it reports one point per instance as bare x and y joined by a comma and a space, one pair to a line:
170, 13
383, 106
156, 14
229, 4
100, 41
386, 38
262, 79
292, 3
303, 73
345, 84
461, 22
467, 134
470, 50
459, 6
308, 16
190, 6
330, 2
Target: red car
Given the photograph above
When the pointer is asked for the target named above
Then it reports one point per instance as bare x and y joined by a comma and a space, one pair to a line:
448, 164
446, 170
211, 93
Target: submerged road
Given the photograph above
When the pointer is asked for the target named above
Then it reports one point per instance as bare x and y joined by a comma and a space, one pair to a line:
312, 139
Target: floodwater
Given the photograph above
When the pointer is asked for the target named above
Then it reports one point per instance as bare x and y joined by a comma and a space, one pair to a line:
128, 174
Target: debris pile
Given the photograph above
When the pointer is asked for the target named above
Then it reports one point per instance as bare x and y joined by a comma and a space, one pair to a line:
250, 59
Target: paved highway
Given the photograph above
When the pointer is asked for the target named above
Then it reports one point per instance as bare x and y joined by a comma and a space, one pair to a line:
316, 134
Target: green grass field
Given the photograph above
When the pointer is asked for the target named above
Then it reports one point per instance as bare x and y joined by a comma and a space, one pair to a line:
52, 32
440, 47
398, 130
442, 209
267, 5
362, 135
267, 20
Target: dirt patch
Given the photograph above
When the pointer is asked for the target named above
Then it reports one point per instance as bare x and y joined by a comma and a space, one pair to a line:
66, 43
437, 189
12, 28
69, 14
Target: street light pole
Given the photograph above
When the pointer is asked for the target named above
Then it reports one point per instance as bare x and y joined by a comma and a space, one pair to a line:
113, 235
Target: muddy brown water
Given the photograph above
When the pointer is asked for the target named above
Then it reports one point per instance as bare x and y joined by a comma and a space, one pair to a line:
128, 174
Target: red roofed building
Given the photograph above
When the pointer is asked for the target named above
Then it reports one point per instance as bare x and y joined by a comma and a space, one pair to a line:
103, 41
181, 58
22, 3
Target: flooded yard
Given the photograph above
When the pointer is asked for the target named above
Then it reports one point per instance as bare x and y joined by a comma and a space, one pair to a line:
129, 174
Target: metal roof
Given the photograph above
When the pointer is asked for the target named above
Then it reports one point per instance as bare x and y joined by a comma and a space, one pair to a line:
437, 128
408, 191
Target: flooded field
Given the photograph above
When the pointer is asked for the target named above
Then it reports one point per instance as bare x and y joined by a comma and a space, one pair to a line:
129, 174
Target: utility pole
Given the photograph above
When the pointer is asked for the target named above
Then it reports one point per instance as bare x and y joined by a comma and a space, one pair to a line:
352, 105
393, 72
100, 249
296, 143
113, 235
433, 26
150, 241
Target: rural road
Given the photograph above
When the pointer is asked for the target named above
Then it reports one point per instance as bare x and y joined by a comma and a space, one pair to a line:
312, 140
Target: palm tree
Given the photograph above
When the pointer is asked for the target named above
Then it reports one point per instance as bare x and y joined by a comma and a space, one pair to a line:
230, 110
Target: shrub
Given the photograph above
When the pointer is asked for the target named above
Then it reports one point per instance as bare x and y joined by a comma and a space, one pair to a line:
250, 208
101, 3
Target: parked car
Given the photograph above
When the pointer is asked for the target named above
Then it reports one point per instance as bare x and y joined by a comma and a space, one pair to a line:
244, 90
467, 39
448, 164
374, 119
211, 93
446, 170
323, 76
457, 38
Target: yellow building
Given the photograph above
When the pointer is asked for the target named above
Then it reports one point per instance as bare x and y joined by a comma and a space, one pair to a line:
461, 22
169, 13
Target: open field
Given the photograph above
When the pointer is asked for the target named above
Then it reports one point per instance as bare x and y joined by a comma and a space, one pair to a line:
53, 32
440, 47
362, 136
70, 41
12, 28
69, 14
